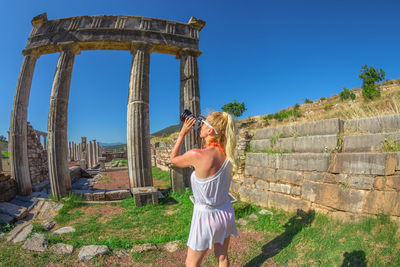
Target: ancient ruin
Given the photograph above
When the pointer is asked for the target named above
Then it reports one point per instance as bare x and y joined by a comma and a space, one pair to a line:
68, 36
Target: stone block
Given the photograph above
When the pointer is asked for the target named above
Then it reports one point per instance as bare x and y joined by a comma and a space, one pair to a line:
386, 202
322, 127
398, 161
369, 142
144, 195
85, 194
361, 182
379, 124
287, 203
262, 185
320, 177
265, 173
262, 160
5, 219
333, 196
260, 145
291, 177
117, 194
304, 162
280, 188
40, 186
296, 190
316, 144
252, 195
235, 186
99, 195
15, 211
380, 182
249, 182
364, 163
393, 182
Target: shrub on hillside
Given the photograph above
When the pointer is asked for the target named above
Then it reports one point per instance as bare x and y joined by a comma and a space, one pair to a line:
308, 101
235, 108
370, 76
346, 94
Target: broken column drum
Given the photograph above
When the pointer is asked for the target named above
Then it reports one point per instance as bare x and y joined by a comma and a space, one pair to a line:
68, 36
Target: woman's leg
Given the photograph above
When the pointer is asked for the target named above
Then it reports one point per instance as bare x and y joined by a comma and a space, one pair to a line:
194, 257
221, 252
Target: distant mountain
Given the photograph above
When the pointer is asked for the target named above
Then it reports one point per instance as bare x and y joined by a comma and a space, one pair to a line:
110, 144
167, 131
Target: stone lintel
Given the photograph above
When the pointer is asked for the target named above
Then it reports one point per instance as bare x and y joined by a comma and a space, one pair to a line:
141, 45
188, 52
198, 23
39, 19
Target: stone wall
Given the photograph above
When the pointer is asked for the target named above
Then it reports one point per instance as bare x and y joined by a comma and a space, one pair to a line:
37, 158
333, 166
160, 152
8, 187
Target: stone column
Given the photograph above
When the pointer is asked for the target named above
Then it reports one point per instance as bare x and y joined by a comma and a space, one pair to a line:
45, 142
57, 126
69, 151
90, 153
189, 97
1, 159
18, 126
84, 153
138, 123
95, 152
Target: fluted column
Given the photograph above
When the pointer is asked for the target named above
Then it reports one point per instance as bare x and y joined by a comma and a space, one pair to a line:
189, 97
138, 123
90, 161
57, 125
69, 151
18, 126
95, 153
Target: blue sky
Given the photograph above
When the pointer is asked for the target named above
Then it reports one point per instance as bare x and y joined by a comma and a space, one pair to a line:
268, 54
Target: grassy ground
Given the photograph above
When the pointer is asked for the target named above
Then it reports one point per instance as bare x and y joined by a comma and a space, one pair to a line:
302, 239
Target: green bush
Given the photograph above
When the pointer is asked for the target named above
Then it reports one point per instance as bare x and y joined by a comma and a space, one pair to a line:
370, 76
308, 101
346, 94
281, 115
235, 108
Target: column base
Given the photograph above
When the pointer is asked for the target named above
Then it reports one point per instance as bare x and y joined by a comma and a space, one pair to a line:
144, 195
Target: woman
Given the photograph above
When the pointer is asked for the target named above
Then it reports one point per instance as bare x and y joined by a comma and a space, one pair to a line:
213, 218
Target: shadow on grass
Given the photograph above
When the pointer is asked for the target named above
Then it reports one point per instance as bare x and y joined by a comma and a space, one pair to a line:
292, 228
354, 258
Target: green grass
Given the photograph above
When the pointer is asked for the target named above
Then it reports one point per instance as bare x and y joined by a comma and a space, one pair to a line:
391, 146
120, 162
160, 175
5, 154
289, 239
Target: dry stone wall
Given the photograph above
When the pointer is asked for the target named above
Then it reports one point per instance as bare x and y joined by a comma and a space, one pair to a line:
37, 158
334, 166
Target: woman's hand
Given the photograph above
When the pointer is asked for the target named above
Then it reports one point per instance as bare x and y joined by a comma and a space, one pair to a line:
187, 126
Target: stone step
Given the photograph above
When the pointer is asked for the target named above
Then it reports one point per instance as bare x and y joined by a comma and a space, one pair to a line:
16, 211
368, 142
364, 163
27, 203
6, 219
322, 127
40, 186
316, 144
20, 232
379, 124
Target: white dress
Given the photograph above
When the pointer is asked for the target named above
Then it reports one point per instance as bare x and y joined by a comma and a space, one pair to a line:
213, 216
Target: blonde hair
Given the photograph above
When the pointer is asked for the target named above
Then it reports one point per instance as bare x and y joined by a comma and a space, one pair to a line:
226, 137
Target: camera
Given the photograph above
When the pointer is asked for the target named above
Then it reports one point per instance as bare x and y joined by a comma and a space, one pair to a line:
188, 114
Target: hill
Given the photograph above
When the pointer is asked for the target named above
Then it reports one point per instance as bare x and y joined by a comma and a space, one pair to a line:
167, 131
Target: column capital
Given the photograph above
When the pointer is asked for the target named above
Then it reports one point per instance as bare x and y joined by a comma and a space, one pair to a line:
70, 46
31, 52
198, 23
188, 52
138, 45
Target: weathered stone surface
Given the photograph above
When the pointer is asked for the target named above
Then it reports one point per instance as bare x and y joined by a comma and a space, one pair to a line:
364, 163
120, 253
262, 160
265, 173
40, 186
99, 195
235, 186
361, 182
296, 190
89, 252
393, 182
386, 202
61, 248
144, 195
85, 194
241, 222
5, 219
321, 177
36, 243
286, 202
8, 188
264, 212
143, 248
248, 182
29, 204
292, 177
17, 212
398, 161
260, 184
281, 188
118, 194
333, 196
20, 232
379, 124
322, 127
64, 230
260, 145
368, 143
46, 210
253, 217
257, 196
304, 162
47, 226
172, 246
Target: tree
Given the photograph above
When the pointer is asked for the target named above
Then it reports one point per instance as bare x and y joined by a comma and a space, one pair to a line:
370, 76
3, 139
235, 108
346, 94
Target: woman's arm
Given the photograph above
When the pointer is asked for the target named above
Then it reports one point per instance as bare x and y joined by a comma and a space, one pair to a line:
189, 158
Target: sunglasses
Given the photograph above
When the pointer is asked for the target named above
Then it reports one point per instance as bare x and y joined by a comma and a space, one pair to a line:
203, 121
